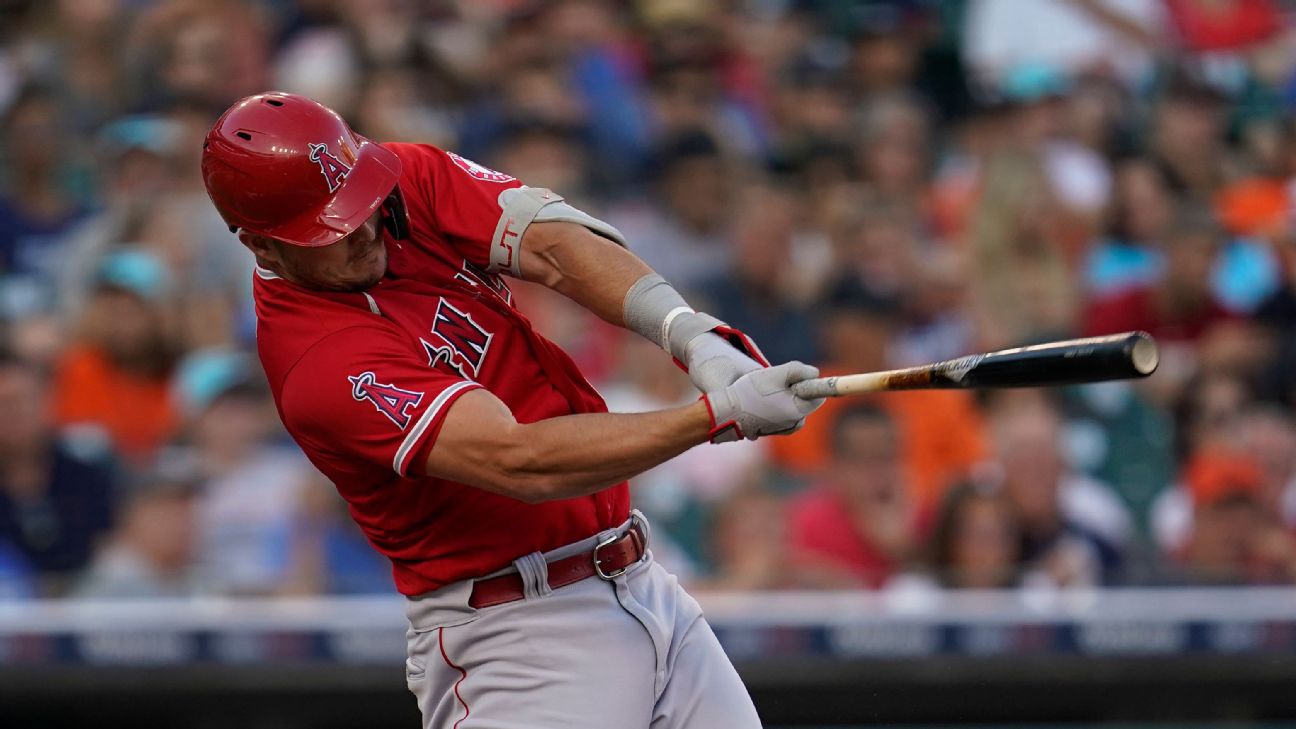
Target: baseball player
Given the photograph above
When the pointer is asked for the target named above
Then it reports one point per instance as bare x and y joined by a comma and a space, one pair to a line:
470, 449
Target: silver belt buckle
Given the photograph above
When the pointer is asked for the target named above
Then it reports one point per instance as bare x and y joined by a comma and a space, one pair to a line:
636, 520
598, 564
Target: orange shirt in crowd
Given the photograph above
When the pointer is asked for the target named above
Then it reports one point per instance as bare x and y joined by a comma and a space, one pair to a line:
942, 435
136, 412
1254, 206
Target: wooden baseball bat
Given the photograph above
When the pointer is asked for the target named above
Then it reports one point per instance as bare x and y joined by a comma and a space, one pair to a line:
1073, 361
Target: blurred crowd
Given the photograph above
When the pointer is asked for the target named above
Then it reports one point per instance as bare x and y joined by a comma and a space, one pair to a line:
861, 184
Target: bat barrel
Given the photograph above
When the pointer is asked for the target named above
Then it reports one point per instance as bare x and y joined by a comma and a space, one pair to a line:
1075, 361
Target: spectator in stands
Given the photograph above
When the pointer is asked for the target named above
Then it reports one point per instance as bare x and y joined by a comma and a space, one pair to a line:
136, 163
1268, 437
698, 79
328, 553
758, 293
975, 541
935, 324
1203, 283
894, 149
37, 206
1039, 98
1182, 309
1187, 139
545, 155
680, 232
151, 553
199, 53
1142, 211
874, 243
117, 377
1260, 436
1022, 287
149, 205
1074, 530
249, 501
1209, 412
749, 547
861, 524
1235, 539
940, 433
56, 490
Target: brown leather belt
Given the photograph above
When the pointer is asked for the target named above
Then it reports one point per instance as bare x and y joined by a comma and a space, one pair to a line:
607, 560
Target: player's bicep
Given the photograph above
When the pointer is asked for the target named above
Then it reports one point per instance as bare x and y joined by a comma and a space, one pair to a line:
479, 439
587, 268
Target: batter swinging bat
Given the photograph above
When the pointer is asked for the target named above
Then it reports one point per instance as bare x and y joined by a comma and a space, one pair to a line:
1069, 362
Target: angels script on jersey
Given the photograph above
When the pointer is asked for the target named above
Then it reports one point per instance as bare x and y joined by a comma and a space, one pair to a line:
463, 342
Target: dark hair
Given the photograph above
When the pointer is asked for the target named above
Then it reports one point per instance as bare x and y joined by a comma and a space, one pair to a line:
1118, 215
684, 146
948, 516
850, 294
862, 413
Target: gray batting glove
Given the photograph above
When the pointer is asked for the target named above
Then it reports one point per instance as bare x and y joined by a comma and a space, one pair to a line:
761, 403
714, 353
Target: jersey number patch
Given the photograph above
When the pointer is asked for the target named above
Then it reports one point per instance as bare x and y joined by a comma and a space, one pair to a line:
392, 401
460, 341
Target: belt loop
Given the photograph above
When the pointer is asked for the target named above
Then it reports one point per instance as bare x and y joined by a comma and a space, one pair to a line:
637, 517
535, 575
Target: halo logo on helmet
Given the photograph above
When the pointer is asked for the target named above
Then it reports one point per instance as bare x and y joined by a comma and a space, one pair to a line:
333, 169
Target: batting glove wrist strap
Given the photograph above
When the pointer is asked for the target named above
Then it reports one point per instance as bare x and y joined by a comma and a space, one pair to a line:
651, 307
712, 352
760, 403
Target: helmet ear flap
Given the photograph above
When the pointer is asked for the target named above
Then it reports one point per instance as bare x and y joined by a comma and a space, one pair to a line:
395, 218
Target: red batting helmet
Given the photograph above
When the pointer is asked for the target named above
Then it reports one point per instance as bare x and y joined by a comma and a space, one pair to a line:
290, 168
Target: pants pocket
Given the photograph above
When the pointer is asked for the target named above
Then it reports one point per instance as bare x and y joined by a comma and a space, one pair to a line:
415, 669
417, 649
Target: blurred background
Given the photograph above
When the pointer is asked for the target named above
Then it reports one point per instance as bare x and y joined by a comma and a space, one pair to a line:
860, 184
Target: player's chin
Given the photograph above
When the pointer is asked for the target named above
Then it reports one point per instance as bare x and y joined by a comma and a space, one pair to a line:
361, 280
350, 283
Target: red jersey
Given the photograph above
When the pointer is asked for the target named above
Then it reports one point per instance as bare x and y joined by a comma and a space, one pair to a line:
363, 382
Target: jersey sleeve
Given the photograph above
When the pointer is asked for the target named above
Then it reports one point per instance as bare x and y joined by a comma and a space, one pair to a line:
463, 199
364, 394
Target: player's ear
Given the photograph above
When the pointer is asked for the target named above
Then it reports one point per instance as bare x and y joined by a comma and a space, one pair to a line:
262, 247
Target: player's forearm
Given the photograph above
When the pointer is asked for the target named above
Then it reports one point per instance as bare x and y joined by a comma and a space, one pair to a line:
575, 455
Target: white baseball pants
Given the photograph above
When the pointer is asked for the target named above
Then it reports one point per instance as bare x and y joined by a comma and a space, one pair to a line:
630, 653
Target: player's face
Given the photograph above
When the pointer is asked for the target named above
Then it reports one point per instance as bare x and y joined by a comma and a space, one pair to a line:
354, 263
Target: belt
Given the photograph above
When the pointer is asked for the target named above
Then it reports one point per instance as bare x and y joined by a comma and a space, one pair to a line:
609, 558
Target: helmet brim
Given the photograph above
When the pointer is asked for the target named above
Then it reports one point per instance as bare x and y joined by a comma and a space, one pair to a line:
371, 179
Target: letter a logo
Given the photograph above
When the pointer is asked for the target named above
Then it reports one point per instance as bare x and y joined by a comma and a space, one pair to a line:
390, 400
333, 169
